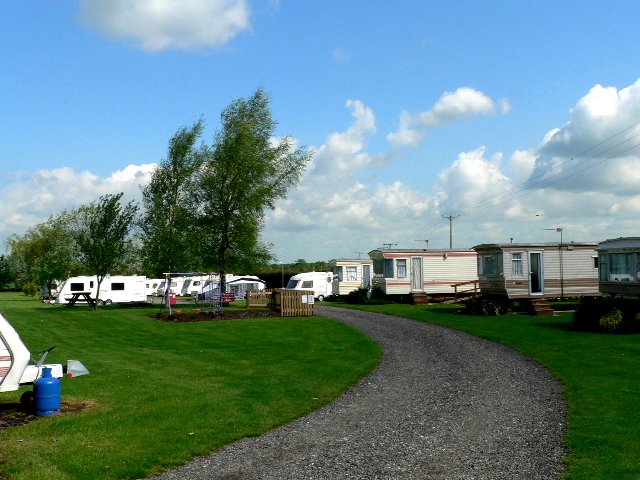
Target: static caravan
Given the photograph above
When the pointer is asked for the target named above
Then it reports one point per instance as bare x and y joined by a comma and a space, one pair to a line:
350, 275
113, 289
619, 265
320, 282
421, 272
535, 270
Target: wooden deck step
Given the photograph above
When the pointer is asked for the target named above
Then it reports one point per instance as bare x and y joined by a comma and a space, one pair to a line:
541, 308
419, 298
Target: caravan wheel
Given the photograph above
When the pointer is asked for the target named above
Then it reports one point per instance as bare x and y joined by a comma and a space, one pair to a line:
104, 302
320, 298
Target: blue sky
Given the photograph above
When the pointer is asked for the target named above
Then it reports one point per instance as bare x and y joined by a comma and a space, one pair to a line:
507, 114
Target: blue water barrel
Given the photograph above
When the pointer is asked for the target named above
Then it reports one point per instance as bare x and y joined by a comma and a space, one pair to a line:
46, 394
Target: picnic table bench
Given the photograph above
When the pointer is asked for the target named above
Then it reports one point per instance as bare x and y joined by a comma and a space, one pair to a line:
75, 296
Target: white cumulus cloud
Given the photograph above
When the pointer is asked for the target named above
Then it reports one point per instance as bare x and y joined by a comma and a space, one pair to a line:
156, 25
462, 104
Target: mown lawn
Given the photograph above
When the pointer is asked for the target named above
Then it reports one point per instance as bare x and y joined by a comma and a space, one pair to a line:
162, 393
600, 374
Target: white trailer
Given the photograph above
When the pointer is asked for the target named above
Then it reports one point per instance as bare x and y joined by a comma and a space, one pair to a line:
14, 361
152, 284
320, 282
113, 289
193, 285
175, 286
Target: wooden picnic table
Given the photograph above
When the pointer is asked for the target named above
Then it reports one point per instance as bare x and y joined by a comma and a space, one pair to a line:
75, 296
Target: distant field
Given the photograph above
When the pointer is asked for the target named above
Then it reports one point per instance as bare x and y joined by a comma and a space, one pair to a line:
161, 393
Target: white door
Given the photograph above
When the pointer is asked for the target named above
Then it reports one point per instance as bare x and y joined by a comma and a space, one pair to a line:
417, 283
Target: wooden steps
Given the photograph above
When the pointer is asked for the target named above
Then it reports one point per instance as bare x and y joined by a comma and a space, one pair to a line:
419, 298
540, 307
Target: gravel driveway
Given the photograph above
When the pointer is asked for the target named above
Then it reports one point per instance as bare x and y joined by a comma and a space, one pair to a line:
441, 405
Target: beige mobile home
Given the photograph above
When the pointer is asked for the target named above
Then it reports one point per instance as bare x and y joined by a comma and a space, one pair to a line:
417, 272
619, 262
351, 274
538, 270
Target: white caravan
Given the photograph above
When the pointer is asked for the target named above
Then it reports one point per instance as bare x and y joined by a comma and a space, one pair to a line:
14, 361
320, 282
113, 289
193, 285
152, 284
236, 284
175, 287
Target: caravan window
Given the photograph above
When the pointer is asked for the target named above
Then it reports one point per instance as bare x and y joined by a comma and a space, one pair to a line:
490, 265
401, 265
77, 287
307, 284
516, 264
117, 286
352, 274
388, 268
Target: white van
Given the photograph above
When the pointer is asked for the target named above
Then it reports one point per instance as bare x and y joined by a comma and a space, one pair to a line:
113, 289
319, 282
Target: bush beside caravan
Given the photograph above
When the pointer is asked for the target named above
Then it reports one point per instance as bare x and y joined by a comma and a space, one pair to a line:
320, 282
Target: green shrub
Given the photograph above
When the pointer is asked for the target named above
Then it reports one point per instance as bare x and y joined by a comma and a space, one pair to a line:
611, 322
30, 289
606, 314
487, 305
357, 297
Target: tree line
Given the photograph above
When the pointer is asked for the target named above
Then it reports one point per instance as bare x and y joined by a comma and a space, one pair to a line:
202, 211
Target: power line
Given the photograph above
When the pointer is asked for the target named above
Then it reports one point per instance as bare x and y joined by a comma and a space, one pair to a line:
541, 181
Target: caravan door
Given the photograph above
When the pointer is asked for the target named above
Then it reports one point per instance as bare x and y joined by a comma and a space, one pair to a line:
417, 281
536, 273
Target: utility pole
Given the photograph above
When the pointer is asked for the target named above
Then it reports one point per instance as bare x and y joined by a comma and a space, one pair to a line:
450, 217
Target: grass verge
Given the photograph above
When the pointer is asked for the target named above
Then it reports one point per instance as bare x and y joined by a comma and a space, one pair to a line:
162, 393
599, 373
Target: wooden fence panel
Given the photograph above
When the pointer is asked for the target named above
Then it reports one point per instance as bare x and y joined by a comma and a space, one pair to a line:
260, 298
290, 303
294, 303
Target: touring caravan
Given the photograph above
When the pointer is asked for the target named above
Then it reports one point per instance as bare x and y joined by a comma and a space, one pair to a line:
320, 282
175, 286
193, 285
151, 285
236, 284
351, 274
113, 289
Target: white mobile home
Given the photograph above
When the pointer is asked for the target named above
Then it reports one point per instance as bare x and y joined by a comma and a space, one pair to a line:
534, 270
113, 289
619, 266
351, 274
320, 282
416, 272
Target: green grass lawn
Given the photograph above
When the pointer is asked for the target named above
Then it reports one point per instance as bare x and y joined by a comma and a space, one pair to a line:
162, 393
600, 374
